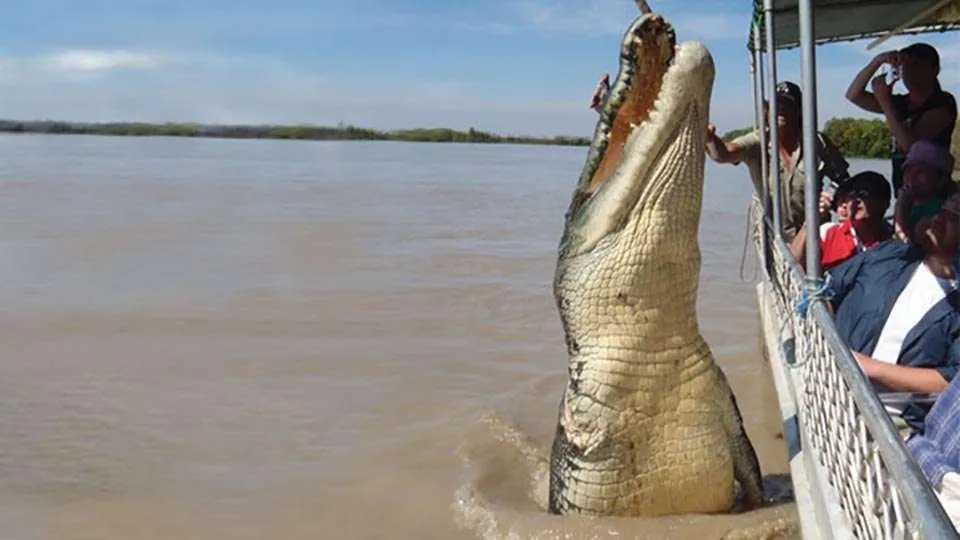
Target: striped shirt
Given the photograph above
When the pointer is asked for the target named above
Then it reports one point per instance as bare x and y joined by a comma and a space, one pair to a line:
937, 450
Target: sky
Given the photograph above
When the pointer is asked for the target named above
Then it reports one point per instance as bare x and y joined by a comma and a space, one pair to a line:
506, 66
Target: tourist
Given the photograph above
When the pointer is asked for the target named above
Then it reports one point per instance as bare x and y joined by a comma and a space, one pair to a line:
926, 184
793, 178
864, 200
895, 306
926, 111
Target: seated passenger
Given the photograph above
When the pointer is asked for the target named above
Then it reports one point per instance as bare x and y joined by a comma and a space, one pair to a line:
937, 450
926, 184
863, 199
793, 177
895, 306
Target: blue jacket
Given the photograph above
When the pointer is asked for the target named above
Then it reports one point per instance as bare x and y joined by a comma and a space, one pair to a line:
865, 288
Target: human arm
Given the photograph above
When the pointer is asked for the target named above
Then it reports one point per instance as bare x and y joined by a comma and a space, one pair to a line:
901, 378
883, 94
799, 247
857, 92
901, 213
930, 124
719, 150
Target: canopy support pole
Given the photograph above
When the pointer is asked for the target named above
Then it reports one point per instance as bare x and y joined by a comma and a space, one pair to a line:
813, 181
773, 149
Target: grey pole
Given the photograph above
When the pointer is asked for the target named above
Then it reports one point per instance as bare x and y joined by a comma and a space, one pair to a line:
759, 120
813, 185
774, 130
756, 66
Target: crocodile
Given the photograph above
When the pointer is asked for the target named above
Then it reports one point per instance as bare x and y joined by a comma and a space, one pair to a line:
648, 424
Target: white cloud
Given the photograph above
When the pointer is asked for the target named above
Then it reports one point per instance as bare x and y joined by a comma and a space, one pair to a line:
580, 17
210, 88
81, 60
710, 27
605, 17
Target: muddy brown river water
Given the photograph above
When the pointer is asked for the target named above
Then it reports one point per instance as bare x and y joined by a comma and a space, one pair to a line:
257, 339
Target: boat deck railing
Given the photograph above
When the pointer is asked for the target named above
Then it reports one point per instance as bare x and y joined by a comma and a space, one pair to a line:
840, 419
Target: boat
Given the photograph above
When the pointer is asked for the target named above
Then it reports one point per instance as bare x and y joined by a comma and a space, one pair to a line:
852, 474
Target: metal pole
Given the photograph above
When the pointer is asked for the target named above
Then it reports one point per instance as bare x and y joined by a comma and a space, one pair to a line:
812, 184
774, 147
759, 120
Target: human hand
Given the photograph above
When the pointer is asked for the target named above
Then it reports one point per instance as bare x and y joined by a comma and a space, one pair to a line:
881, 89
887, 57
866, 363
826, 201
899, 232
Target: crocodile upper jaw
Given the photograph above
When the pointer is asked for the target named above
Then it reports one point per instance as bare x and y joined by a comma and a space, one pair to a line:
658, 85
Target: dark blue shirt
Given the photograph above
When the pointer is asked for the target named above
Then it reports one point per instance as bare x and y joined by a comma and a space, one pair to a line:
864, 289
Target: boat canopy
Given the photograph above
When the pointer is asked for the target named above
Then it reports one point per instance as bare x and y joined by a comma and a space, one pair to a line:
850, 20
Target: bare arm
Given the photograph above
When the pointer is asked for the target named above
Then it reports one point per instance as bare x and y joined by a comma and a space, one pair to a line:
719, 150
901, 211
881, 93
901, 378
799, 247
930, 124
857, 93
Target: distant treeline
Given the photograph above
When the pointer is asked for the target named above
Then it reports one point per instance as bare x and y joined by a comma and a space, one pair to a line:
855, 137
858, 137
298, 132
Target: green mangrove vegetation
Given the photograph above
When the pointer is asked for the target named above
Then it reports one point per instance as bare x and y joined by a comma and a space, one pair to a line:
855, 137
294, 132
858, 137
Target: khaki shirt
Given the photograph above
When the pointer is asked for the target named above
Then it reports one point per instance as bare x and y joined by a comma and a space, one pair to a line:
830, 163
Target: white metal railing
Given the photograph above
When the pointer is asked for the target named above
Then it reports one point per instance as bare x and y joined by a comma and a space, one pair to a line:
880, 487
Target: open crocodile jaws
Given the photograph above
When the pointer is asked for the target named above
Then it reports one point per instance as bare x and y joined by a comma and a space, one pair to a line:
648, 424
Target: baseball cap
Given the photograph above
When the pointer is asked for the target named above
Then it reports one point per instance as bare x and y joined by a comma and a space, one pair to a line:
869, 185
930, 154
924, 52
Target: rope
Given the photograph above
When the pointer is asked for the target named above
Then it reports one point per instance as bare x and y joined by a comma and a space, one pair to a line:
814, 289
748, 228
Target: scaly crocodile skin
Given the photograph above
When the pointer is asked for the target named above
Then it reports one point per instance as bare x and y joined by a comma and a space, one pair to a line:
648, 424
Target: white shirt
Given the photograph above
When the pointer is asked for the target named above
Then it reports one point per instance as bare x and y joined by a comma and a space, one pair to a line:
922, 292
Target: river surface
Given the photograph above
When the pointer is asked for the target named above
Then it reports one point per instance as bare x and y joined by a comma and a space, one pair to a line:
213, 339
